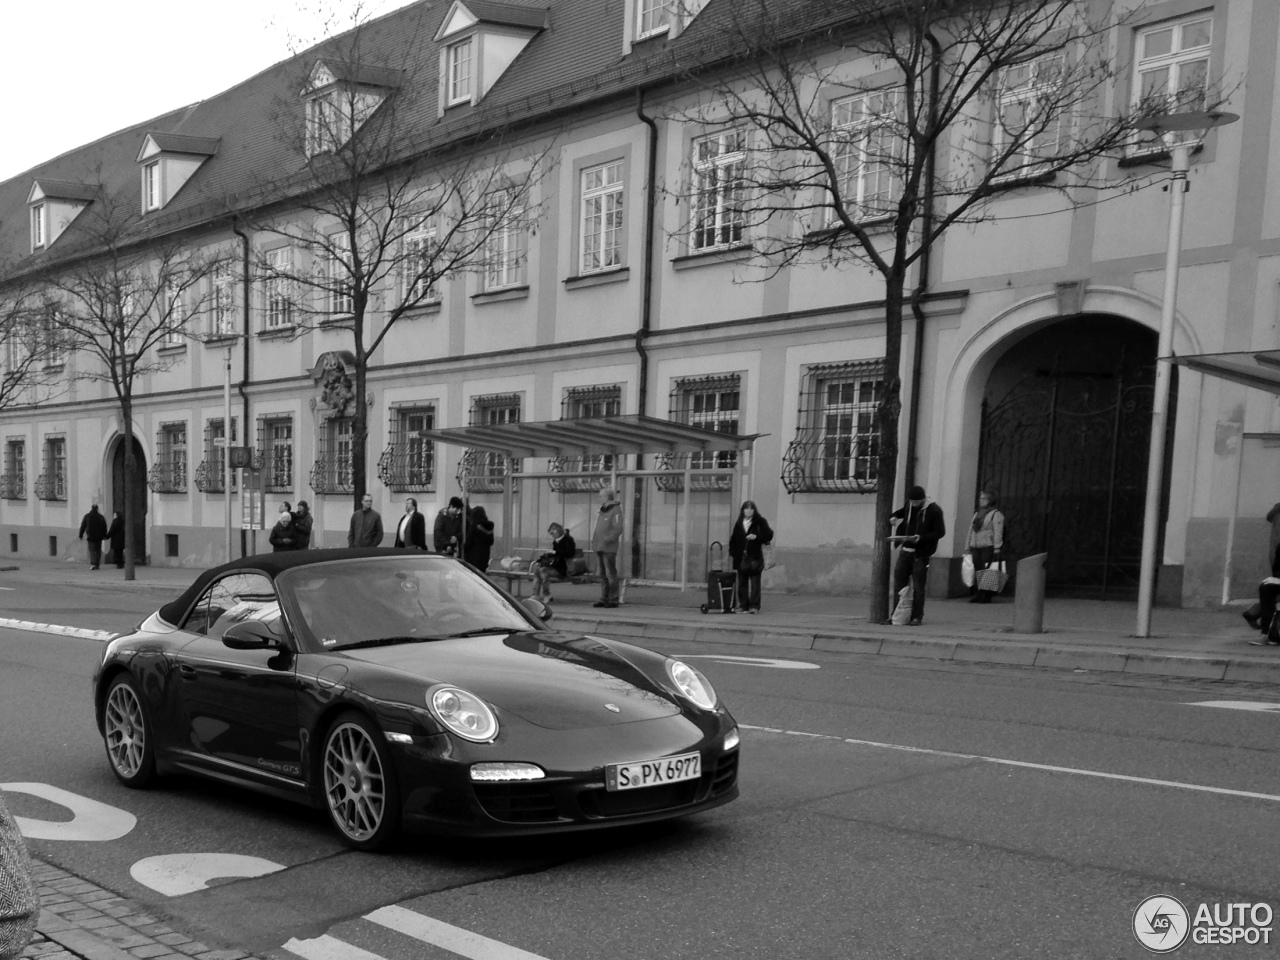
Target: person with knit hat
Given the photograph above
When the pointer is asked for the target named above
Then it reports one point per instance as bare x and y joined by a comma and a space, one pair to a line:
920, 526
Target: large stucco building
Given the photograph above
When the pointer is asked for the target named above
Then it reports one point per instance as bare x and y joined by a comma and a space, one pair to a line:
1038, 341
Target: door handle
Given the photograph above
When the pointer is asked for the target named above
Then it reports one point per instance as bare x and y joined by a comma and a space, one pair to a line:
187, 670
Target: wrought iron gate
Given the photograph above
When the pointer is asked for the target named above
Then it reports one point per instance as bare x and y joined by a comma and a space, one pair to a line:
1067, 456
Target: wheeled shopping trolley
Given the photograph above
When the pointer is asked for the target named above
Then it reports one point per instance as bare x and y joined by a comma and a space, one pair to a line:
722, 584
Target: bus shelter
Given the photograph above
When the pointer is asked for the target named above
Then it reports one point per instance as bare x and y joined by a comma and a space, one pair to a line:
586, 454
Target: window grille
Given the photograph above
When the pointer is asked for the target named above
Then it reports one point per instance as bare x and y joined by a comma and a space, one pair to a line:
719, 166
867, 148
711, 403
169, 473
52, 483
275, 453
581, 403
837, 444
408, 465
332, 472
487, 469
13, 484
1172, 65
209, 473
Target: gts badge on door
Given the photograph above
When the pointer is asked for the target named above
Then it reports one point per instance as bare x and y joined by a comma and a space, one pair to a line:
288, 769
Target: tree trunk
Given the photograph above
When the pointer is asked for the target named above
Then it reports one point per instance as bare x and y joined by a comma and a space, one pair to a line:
130, 468
887, 473
359, 434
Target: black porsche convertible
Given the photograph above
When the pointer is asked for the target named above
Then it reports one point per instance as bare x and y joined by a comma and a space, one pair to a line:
400, 689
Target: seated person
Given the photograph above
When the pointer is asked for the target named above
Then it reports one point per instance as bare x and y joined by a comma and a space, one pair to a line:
555, 563
1260, 615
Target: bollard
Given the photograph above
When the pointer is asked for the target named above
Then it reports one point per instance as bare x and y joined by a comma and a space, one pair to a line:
1028, 602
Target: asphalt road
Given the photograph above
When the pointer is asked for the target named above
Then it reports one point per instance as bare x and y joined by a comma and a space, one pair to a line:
889, 809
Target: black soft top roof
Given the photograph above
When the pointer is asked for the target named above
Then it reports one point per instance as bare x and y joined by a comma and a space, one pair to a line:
272, 564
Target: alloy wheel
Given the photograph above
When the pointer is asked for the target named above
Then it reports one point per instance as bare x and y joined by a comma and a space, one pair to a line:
125, 730
354, 782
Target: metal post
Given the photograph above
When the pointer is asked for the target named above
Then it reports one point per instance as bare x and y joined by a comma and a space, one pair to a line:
226, 450
1159, 408
684, 550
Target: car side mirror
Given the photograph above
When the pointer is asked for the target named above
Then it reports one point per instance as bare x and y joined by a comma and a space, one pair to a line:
539, 609
250, 635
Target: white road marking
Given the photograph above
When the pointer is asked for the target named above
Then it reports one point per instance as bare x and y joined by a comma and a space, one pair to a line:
1258, 705
60, 630
8, 588
174, 874
1050, 768
90, 819
754, 661
326, 947
447, 936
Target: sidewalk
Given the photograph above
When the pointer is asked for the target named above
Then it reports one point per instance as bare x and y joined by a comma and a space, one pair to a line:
1211, 644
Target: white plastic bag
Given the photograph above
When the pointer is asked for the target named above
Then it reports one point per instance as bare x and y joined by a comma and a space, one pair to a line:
902, 612
966, 570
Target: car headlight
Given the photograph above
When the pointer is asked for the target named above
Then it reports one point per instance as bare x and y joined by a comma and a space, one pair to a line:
463, 713
732, 739
692, 684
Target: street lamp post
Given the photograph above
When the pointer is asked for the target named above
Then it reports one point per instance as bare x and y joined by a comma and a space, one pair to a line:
1197, 121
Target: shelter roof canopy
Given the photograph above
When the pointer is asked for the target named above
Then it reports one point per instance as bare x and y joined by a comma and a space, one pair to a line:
1253, 368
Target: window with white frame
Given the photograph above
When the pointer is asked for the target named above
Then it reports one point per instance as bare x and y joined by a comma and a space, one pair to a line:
151, 185
173, 314
170, 472
1030, 117
275, 449
416, 266
52, 483
408, 463
209, 475
337, 269
504, 248
1172, 65
602, 195
866, 149
13, 485
837, 444
278, 288
328, 122
332, 471
459, 67
719, 168
52, 341
711, 403
222, 301
37, 225
652, 16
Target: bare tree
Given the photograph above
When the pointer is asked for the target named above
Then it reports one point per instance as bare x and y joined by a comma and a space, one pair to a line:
113, 306
383, 210
867, 130
24, 346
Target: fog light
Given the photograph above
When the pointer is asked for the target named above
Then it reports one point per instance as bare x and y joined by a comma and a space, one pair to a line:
506, 771
731, 739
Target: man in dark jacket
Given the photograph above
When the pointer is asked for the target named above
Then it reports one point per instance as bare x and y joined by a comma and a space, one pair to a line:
447, 532
366, 525
116, 536
920, 527
411, 531
93, 529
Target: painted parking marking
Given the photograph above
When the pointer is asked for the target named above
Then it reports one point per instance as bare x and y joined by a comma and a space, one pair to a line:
1024, 764
754, 661
446, 936
174, 874
90, 820
1260, 706
57, 628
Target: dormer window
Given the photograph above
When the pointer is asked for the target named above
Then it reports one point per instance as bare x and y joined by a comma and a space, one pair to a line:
151, 185
339, 98
37, 226
328, 125
168, 161
655, 17
460, 72
478, 41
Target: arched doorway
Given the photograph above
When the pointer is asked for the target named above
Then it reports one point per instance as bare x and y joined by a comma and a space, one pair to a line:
1066, 427
139, 495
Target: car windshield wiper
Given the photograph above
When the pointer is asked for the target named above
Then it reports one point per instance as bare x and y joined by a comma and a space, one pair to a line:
387, 641
481, 631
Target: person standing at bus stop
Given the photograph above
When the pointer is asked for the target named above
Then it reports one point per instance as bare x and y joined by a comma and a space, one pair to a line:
604, 542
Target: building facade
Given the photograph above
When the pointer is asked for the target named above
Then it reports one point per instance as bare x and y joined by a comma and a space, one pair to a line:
1037, 337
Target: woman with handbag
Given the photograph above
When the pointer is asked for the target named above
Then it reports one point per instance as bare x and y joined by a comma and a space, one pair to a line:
750, 534
985, 543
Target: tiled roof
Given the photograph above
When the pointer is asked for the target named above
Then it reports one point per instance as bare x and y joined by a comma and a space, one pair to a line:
578, 61
63, 190
364, 73
181, 143
509, 14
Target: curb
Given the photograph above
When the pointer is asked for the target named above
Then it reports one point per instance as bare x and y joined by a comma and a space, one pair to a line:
81, 632
959, 649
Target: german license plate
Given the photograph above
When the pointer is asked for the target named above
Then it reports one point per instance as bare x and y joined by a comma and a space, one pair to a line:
652, 773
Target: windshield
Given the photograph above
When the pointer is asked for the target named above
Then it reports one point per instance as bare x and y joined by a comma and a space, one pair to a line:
394, 600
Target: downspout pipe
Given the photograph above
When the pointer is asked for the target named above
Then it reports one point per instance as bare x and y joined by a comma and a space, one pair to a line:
244, 375
922, 280
646, 316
